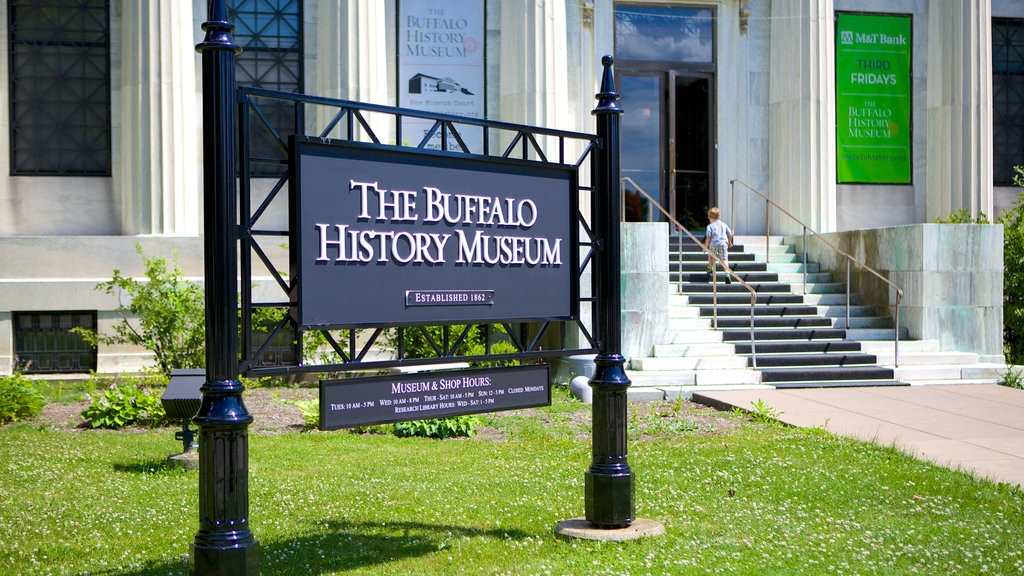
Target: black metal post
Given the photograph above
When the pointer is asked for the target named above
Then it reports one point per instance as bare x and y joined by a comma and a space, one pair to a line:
224, 544
609, 481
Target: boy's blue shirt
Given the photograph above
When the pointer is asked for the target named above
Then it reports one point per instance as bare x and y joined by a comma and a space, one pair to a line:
719, 233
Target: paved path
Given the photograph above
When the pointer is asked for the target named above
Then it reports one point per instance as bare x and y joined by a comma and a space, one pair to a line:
975, 427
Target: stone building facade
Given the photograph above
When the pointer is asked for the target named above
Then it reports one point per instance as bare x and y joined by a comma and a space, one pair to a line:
103, 130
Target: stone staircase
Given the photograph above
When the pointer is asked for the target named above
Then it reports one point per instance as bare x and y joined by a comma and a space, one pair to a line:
801, 339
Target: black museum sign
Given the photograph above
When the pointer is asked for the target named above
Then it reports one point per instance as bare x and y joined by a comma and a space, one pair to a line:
387, 236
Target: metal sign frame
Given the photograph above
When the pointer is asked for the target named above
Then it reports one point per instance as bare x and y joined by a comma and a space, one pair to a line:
264, 190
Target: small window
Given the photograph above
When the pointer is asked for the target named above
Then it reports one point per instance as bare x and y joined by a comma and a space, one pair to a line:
1007, 98
59, 87
45, 344
664, 34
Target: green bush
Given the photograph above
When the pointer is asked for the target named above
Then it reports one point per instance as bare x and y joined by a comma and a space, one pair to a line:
310, 410
439, 427
19, 400
1013, 276
165, 314
125, 403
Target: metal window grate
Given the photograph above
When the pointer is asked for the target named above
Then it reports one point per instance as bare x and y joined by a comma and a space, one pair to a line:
60, 87
1007, 98
270, 34
45, 344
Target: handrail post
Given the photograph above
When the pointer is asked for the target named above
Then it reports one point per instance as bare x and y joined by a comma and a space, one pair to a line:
767, 232
679, 283
714, 295
849, 262
896, 331
805, 260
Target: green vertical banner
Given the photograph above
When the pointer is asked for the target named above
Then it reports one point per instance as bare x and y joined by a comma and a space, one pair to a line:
873, 99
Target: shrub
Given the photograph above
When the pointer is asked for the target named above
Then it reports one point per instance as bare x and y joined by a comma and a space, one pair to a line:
439, 427
19, 400
310, 410
1013, 378
125, 403
167, 315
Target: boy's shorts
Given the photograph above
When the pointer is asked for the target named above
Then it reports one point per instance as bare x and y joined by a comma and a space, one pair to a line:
721, 251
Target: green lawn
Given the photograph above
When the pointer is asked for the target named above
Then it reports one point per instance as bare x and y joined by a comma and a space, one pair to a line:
749, 499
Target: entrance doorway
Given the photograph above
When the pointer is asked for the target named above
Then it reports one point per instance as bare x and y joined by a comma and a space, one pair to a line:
667, 144
665, 62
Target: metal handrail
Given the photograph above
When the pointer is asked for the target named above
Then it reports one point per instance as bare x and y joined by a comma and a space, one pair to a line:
714, 277
850, 260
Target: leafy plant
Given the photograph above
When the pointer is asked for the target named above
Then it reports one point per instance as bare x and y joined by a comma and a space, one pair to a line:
963, 216
1013, 378
760, 411
1013, 276
165, 314
439, 427
19, 400
310, 412
124, 403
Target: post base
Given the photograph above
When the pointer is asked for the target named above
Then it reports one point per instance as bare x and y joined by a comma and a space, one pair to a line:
579, 528
609, 499
224, 561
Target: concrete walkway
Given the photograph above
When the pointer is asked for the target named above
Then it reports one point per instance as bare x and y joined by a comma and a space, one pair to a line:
974, 427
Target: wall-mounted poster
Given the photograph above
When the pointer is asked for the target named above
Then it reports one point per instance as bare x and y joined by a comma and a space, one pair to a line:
441, 66
873, 104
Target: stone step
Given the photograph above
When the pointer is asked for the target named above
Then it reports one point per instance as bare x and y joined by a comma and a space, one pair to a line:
863, 334
780, 322
796, 280
881, 348
839, 311
796, 335
828, 299
693, 337
782, 268
806, 360
927, 358
862, 323
946, 372
840, 383
689, 288
745, 377
683, 363
779, 376
799, 347
701, 350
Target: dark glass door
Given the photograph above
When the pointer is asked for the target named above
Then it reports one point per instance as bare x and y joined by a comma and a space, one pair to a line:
691, 150
667, 145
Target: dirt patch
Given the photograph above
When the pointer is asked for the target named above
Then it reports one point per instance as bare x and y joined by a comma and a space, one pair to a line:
274, 412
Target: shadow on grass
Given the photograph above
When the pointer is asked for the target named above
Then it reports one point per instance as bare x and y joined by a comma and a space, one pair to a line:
151, 466
340, 545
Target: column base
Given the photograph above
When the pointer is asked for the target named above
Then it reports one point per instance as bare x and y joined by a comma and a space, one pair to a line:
609, 499
224, 561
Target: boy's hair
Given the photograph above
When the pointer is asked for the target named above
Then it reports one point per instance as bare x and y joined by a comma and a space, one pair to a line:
714, 213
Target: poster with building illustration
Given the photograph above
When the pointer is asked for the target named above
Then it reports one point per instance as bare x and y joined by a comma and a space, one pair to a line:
873, 99
441, 66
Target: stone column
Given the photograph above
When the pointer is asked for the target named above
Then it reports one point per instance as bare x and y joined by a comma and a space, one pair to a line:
158, 176
352, 56
534, 79
959, 108
801, 163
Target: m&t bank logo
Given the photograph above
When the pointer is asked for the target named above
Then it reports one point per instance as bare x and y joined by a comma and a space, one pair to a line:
846, 36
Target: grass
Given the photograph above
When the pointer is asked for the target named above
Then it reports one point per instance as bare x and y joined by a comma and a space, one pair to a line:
752, 498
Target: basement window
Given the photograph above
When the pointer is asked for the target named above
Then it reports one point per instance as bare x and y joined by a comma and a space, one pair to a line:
45, 344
